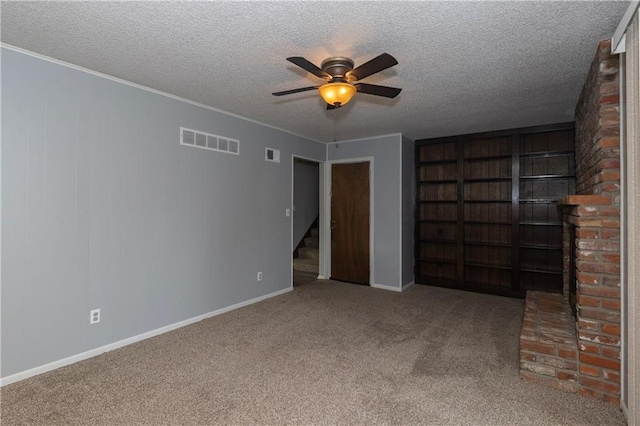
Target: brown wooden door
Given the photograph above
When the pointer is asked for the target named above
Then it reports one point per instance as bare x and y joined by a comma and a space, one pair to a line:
350, 222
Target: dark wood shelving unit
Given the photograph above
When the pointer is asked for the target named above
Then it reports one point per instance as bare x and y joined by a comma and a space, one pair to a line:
486, 243
486, 222
547, 154
438, 260
428, 163
538, 271
487, 201
489, 180
540, 247
437, 240
488, 265
487, 216
548, 177
539, 201
488, 158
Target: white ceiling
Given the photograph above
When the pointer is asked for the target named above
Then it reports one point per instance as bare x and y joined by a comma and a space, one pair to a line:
463, 66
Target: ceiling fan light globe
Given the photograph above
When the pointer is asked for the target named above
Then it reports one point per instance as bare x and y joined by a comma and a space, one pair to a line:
337, 93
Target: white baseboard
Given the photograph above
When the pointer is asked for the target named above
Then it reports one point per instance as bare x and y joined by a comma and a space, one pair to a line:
116, 345
386, 287
407, 286
321, 277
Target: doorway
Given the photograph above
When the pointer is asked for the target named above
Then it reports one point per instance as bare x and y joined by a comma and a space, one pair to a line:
305, 223
350, 222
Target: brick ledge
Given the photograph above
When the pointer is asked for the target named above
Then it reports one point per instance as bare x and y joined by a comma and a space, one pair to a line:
548, 343
575, 200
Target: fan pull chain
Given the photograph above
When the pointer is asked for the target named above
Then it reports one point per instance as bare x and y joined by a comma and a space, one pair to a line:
335, 128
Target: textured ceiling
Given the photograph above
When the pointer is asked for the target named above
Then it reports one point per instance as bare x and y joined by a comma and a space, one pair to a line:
463, 66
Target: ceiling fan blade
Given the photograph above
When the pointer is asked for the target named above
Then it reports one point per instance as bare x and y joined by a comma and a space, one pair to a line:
377, 64
308, 66
289, 92
373, 89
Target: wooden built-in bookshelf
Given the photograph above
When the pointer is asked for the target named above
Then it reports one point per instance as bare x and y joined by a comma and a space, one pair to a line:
487, 217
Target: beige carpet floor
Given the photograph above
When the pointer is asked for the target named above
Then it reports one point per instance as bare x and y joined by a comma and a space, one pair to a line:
325, 353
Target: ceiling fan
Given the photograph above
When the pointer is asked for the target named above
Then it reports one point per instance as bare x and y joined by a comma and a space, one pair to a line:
340, 76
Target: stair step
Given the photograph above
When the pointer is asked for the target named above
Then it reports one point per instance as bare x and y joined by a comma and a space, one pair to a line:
307, 265
312, 242
308, 253
315, 232
301, 277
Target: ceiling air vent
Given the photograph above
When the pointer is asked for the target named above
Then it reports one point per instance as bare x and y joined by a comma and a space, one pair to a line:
272, 155
196, 139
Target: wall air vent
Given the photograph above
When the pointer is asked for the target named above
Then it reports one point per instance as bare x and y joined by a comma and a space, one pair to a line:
272, 155
196, 139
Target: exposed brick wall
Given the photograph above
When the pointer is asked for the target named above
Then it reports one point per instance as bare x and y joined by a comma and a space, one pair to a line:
595, 213
598, 299
598, 128
548, 346
597, 221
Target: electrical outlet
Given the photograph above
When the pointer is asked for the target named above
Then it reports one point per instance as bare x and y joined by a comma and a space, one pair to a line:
287, 212
259, 276
94, 316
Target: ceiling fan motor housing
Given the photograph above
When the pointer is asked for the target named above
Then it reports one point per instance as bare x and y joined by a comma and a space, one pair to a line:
337, 67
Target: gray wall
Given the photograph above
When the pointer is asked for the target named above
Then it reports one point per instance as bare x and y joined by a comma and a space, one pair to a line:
408, 198
102, 208
305, 197
386, 151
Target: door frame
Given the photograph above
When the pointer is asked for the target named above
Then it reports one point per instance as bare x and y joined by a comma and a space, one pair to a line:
326, 252
321, 211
